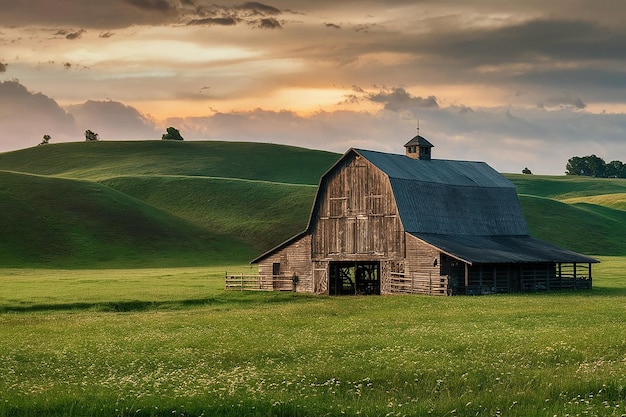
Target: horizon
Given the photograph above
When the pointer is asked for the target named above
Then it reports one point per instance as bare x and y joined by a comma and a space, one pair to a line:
513, 85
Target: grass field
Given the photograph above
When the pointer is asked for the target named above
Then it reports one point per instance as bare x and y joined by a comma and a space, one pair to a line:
163, 342
112, 263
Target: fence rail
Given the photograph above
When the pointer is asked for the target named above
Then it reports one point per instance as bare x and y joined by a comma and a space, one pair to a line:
243, 282
419, 283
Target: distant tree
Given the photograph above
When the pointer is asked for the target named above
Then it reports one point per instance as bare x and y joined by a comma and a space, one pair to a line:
526, 171
90, 136
589, 166
615, 169
172, 134
46, 139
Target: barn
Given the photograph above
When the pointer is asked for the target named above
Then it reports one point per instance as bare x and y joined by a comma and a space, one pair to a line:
387, 223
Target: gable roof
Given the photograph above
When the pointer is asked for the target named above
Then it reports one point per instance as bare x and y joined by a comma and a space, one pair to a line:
451, 197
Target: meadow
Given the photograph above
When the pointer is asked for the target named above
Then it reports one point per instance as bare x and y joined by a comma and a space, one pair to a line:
112, 265
172, 342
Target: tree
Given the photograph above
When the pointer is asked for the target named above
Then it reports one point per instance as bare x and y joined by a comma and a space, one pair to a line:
90, 136
172, 134
527, 171
46, 139
615, 169
589, 166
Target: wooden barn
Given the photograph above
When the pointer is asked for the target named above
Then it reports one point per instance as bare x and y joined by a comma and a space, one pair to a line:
385, 224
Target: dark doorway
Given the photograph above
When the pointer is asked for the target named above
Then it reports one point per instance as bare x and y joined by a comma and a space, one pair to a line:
354, 278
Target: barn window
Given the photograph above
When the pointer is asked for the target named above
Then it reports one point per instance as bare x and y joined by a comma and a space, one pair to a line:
276, 268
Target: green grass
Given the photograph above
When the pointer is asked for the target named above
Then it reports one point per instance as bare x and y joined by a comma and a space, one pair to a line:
153, 203
56, 222
260, 213
102, 160
203, 351
563, 187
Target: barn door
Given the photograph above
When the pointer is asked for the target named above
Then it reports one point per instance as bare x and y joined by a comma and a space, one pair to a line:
354, 278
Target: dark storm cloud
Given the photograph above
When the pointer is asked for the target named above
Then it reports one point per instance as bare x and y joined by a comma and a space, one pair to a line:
106, 35
332, 25
398, 99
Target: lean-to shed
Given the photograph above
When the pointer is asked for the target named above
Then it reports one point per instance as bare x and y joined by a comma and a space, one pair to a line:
385, 223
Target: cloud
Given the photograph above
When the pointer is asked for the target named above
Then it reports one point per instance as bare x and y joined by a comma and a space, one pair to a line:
257, 8
3, 67
565, 100
332, 25
44, 116
398, 99
254, 14
220, 21
113, 120
75, 35
158, 5
266, 23
106, 34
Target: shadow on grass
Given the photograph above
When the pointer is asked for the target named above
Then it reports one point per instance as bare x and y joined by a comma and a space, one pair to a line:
226, 300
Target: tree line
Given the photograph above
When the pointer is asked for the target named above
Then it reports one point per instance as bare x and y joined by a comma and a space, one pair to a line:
594, 166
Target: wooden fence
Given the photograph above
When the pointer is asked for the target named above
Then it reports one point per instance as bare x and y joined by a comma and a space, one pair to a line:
243, 282
419, 283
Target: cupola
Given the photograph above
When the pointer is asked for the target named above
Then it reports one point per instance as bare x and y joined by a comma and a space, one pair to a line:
418, 148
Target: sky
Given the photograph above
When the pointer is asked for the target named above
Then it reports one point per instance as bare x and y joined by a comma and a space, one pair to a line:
512, 83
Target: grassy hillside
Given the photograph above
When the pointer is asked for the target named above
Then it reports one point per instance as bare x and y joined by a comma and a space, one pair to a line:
566, 186
583, 214
262, 214
103, 160
202, 203
183, 202
52, 222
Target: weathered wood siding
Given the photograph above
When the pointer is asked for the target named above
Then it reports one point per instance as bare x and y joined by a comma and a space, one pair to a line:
294, 259
421, 257
355, 217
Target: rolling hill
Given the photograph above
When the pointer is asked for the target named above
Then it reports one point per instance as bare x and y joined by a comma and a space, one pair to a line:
169, 203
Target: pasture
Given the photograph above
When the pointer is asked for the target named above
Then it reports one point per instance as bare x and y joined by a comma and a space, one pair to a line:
112, 264
172, 342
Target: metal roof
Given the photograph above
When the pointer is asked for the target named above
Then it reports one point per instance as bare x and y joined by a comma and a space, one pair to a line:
502, 249
451, 197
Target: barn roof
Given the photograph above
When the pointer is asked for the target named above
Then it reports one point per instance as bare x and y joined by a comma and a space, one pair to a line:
451, 197
501, 249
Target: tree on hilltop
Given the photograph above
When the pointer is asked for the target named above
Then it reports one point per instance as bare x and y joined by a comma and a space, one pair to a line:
90, 136
46, 139
172, 134
527, 171
593, 166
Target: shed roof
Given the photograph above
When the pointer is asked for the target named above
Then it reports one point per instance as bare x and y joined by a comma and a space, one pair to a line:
502, 249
